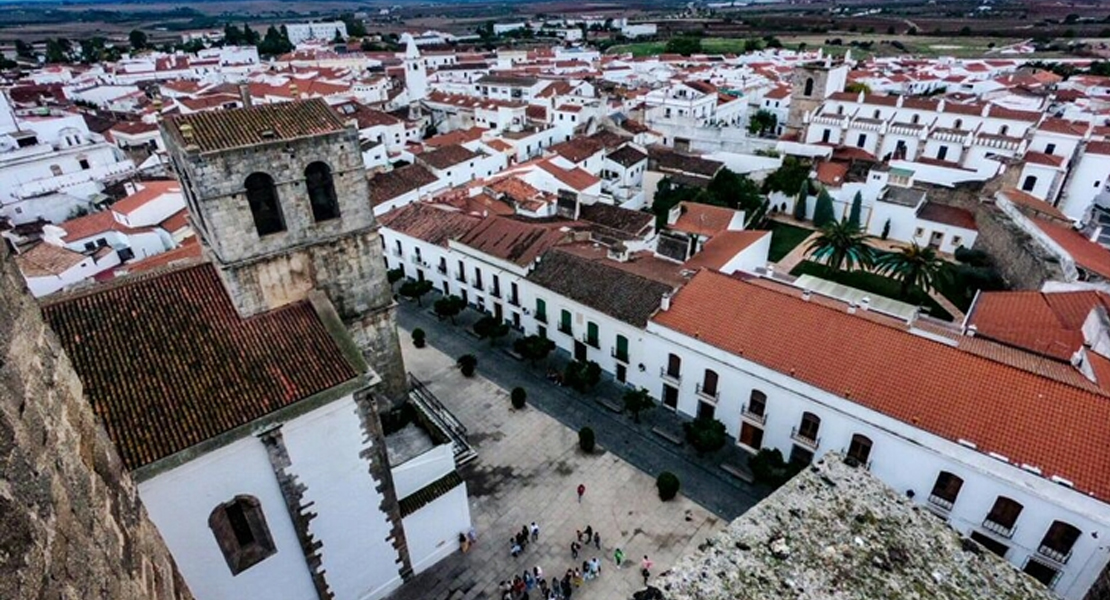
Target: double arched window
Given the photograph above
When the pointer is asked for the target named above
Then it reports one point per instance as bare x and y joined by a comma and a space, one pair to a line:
263, 200
321, 192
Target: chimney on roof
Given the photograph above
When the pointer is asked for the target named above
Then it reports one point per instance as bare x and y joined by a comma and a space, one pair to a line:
865, 303
245, 95
806, 295
852, 307
770, 271
665, 302
972, 330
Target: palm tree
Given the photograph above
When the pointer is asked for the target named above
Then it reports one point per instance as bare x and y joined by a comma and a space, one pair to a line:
841, 244
915, 267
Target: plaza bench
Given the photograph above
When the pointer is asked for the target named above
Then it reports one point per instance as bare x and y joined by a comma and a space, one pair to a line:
609, 404
513, 354
670, 437
738, 473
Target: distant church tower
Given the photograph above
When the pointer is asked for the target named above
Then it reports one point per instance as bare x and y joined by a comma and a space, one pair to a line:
416, 75
813, 83
279, 199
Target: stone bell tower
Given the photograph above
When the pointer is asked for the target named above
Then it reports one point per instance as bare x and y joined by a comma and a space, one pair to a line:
278, 196
813, 83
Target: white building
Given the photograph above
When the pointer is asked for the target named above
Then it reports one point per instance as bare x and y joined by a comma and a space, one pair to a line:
324, 32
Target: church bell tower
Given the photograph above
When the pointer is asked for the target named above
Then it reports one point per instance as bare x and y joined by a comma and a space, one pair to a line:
278, 196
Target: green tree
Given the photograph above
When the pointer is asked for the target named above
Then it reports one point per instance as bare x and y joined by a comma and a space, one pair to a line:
533, 348
467, 363
582, 376
732, 190
685, 45
856, 87
394, 275
416, 290
250, 36
637, 401
355, 27
705, 434
233, 36
752, 45
667, 484
275, 42
490, 328
138, 40
789, 177
823, 212
23, 49
762, 121
857, 208
915, 267
338, 39
449, 307
57, 50
800, 207
841, 245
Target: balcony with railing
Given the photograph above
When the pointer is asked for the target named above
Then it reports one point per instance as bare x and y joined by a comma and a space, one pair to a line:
495, 291
459, 277
804, 439
476, 284
514, 300
712, 395
591, 341
673, 377
442, 269
566, 328
620, 355
943, 504
541, 317
998, 528
758, 418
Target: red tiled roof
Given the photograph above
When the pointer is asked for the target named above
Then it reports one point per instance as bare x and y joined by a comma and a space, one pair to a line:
949, 215
1043, 323
392, 184
176, 222
447, 156
47, 260
167, 362
1063, 126
940, 389
723, 247
188, 251
429, 222
151, 191
94, 224
260, 124
1040, 158
832, 173
1087, 254
1023, 199
459, 136
511, 240
1098, 147
703, 219
577, 178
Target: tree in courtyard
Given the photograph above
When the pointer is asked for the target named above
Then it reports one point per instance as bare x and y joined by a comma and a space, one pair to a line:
823, 212
490, 328
138, 40
57, 50
762, 121
276, 42
789, 178
637, 401
857, 208
449, 307
23, 49
416, 290
856, 87
800, 207
841, 245
533, 348
915, 267
394, 275
732, 190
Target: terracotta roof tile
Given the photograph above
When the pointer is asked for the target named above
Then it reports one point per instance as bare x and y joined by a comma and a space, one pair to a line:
167, 362
723, 247
94, 224
429, 222
1042, 323
151, 190
47, 260
392, 184
511, 240
1029, 201
941, 389
599, 284
261, 124
703, 219
949, 215
447, 156
1087, 254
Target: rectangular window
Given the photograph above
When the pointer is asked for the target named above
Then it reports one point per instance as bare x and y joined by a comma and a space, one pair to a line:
592, 334
942, 152
621, 351
670, 396
541, 310
751, 436
862, 140
800, 455
706, 410
825, 136
621, 373
990, 544
1050, 148
564, 322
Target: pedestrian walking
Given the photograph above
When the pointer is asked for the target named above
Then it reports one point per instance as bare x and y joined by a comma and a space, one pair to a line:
581, 492
537, 572
578, 534
535, 531
574, 550
645, 569
589, 533
595, 566
597, 540
514, 548
618, 557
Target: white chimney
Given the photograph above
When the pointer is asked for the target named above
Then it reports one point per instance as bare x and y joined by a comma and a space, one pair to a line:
665, 303
852, 308
770, 271
806, 294
865, 303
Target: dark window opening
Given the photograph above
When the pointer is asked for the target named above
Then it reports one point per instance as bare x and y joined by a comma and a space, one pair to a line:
945, 490
241, 533
860, 449
321, 192
993, 545
1029, 183
263, 201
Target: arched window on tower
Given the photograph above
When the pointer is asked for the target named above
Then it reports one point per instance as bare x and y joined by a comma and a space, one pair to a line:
321, 192
809, 86
263, 200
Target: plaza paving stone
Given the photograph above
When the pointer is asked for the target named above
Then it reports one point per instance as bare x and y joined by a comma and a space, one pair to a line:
529, 465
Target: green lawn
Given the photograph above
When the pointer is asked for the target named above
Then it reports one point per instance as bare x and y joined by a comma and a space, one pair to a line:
785, 238
708, 46
875, 284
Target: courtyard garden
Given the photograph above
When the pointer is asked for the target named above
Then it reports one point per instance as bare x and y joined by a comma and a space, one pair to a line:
785, 238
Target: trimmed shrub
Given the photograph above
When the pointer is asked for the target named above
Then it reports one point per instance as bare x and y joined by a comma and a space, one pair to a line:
667, 483
586, 439
418, 336
519, 395
770, 468
467, 363
705, 435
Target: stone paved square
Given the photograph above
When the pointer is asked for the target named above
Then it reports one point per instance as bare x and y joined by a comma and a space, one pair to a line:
528, 468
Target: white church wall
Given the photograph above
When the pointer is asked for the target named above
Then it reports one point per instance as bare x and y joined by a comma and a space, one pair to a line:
433, 531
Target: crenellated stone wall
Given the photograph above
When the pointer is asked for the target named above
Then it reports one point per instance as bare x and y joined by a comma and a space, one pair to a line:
71, 523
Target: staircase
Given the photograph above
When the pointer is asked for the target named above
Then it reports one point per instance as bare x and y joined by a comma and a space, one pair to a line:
427, 403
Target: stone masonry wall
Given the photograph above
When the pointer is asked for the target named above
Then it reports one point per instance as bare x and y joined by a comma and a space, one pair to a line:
71, 523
